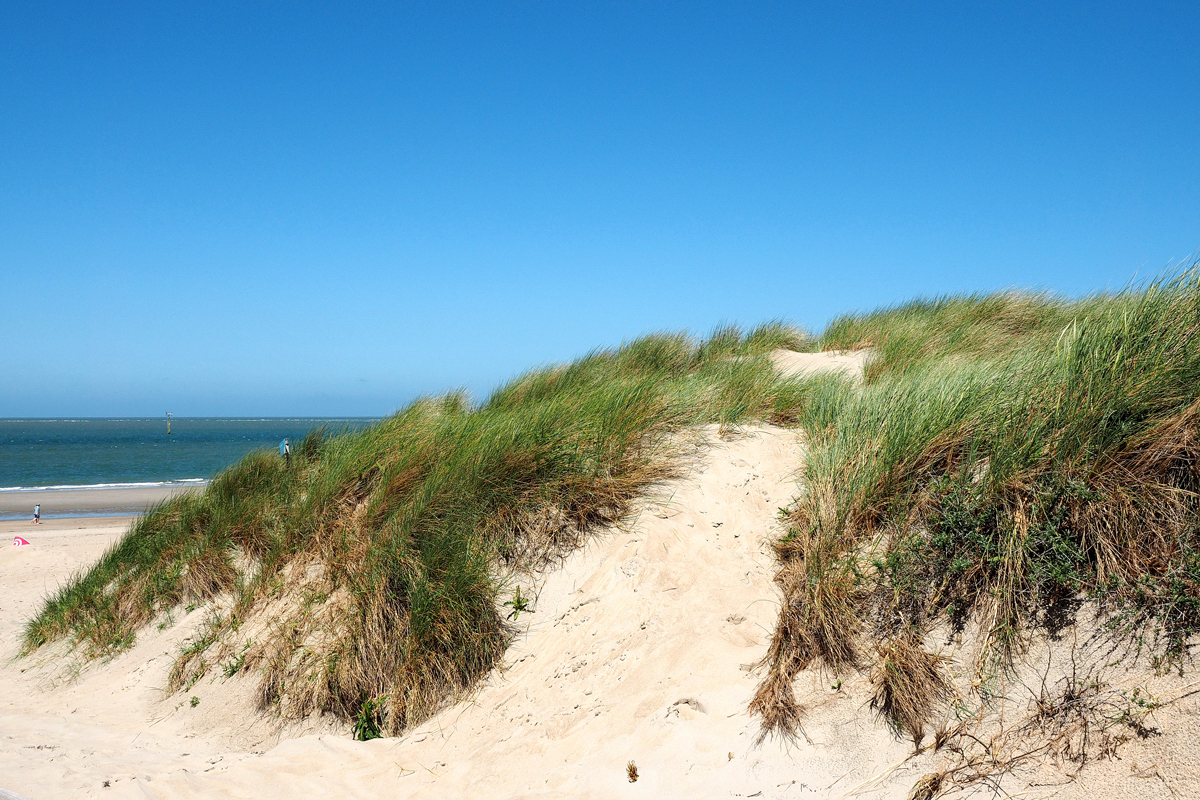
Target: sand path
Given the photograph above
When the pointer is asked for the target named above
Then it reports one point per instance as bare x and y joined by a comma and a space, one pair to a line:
847, 362
640, 647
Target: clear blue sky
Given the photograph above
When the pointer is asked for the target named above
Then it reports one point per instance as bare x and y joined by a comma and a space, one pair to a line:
294, 209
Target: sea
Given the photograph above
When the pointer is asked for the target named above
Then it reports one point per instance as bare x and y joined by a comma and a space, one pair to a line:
109, 453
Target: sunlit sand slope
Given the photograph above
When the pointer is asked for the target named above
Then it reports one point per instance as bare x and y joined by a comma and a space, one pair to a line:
640, 648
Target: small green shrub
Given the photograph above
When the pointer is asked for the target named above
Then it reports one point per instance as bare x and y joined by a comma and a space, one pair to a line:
368, 724
518, 603
235, 664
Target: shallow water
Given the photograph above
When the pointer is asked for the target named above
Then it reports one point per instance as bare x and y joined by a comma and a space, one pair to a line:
91, 452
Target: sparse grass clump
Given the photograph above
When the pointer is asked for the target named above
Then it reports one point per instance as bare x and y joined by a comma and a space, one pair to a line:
1007, 455
908, 684
1067, 724
364, 579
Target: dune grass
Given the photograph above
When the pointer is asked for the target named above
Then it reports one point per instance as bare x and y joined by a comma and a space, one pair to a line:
1008, 455
366, 579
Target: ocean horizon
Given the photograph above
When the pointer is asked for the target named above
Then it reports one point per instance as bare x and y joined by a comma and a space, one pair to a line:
125, 452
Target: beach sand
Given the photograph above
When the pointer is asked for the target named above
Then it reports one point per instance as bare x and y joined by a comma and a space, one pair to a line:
67, 726
641, 647
122, 501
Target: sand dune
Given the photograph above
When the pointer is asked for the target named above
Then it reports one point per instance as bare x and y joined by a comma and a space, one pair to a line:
849, 363
639, 648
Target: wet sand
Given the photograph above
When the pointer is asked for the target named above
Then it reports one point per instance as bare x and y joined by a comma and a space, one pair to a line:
121, 501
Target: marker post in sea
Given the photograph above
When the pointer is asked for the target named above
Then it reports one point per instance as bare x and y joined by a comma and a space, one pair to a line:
168, 423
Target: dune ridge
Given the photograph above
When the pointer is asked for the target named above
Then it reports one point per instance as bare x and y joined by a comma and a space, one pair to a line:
639, 647
900, 654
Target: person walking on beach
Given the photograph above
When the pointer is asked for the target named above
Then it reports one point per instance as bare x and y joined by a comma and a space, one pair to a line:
285, 450
37, 514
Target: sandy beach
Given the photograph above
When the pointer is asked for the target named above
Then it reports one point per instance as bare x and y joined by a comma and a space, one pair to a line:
121, 501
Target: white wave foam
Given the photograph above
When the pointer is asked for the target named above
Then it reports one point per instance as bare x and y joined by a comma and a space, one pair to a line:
78, 487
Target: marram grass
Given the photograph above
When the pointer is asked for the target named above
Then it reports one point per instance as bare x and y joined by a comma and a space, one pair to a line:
1007, 456
366, 578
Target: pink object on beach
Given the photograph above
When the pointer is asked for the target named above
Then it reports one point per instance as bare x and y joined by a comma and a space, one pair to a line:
18, 541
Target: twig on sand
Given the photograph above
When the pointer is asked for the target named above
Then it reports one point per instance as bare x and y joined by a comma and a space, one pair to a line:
869, 781
1159, 698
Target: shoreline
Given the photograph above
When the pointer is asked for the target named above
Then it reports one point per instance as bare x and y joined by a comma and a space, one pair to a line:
75, 487
85, 502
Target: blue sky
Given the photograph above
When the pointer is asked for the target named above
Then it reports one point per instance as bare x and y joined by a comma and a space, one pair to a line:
295, 209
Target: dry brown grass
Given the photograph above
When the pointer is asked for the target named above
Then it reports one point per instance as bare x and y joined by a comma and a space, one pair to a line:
1066, 725
909, 685
819, 624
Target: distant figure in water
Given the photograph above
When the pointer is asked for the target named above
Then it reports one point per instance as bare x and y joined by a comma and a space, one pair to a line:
37, 514
285, 450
